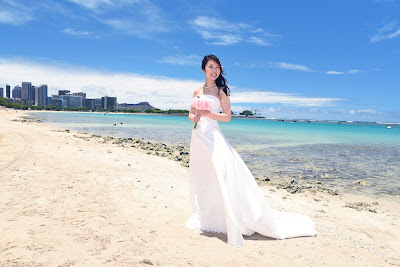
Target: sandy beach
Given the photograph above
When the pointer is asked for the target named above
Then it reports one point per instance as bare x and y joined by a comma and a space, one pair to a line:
70, 200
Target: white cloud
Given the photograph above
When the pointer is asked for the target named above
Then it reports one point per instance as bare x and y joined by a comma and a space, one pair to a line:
181, 60
140, 18
14, 13
354, 71
161, 92
73, 32
214, 24
238, 108
388, 31
222, 32
289, 66
334, 72
141, 29
143, 21
368, 111
97, 4
13, 18
251, 96
388, 27
257, 40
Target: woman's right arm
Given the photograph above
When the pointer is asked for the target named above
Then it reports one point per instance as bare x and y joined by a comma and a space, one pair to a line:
192, 113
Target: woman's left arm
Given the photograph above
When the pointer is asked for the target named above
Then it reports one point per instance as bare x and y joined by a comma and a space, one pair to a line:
225, 116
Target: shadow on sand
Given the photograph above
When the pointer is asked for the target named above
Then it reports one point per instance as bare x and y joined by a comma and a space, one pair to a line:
222, 237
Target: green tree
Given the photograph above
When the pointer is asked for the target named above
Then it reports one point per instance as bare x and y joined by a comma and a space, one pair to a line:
247, 113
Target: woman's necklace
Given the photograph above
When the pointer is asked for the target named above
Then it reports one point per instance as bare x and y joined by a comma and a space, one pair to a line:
206, 87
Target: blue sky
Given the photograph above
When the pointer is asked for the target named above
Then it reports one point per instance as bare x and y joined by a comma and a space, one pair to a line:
334, 60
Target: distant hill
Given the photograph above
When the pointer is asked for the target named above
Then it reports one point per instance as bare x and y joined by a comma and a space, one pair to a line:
140, 106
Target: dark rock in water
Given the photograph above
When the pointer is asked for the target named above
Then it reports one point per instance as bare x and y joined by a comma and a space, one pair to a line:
326, 175
362, 182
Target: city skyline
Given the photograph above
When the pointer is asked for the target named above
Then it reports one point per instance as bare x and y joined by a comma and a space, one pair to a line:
38, 96
325, 60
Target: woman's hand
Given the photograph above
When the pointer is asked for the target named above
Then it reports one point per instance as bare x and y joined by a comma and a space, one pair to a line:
204, 113
196, 118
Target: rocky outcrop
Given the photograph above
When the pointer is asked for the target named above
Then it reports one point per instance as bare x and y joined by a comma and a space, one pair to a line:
140, 106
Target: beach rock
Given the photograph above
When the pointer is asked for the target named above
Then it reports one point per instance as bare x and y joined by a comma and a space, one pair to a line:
316, 182
293, 188
146, 261
360, 206
326, 175
330, 191
362, 182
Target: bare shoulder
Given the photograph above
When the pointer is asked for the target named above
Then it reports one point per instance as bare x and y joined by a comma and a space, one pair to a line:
223, 97
198, 91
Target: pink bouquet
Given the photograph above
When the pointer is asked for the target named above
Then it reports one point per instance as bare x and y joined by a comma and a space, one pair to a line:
200, 104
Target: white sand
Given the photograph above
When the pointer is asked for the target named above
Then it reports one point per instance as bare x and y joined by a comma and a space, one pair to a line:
65, 201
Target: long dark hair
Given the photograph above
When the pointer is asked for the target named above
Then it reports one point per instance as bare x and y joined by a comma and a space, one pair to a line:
220, 81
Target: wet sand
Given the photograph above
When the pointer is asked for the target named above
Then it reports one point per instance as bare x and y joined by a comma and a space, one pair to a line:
66, 199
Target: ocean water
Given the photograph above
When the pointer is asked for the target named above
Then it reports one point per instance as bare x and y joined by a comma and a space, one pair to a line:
335, 154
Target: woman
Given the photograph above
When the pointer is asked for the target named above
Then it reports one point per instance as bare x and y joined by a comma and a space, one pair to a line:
225, 197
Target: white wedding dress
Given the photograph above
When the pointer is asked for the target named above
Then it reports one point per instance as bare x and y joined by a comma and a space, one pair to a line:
224, 195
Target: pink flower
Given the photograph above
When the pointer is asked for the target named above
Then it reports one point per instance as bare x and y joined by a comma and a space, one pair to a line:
200, 104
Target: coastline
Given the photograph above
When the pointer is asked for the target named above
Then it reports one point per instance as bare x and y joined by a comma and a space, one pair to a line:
67, 199
233, 116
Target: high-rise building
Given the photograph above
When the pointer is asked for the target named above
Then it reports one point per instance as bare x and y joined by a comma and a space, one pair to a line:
8, 91
83, 95
73, 101
28, 94
89, 103
41, 95
58, 103
1, 92
17, 92
63, 92
109, 102
98, 103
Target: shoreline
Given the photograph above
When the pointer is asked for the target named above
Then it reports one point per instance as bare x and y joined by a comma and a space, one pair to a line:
112, 204
395, 124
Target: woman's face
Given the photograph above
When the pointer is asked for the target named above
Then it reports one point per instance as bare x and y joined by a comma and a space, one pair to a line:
212, 70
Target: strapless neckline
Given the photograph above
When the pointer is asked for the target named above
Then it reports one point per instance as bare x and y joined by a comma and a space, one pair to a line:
209, 95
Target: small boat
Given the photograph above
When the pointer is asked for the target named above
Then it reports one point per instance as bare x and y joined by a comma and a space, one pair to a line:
389, 127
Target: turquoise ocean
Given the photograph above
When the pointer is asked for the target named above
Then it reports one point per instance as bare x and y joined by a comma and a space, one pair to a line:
337, 154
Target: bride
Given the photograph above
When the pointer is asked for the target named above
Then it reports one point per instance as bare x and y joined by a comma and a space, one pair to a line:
225, 197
